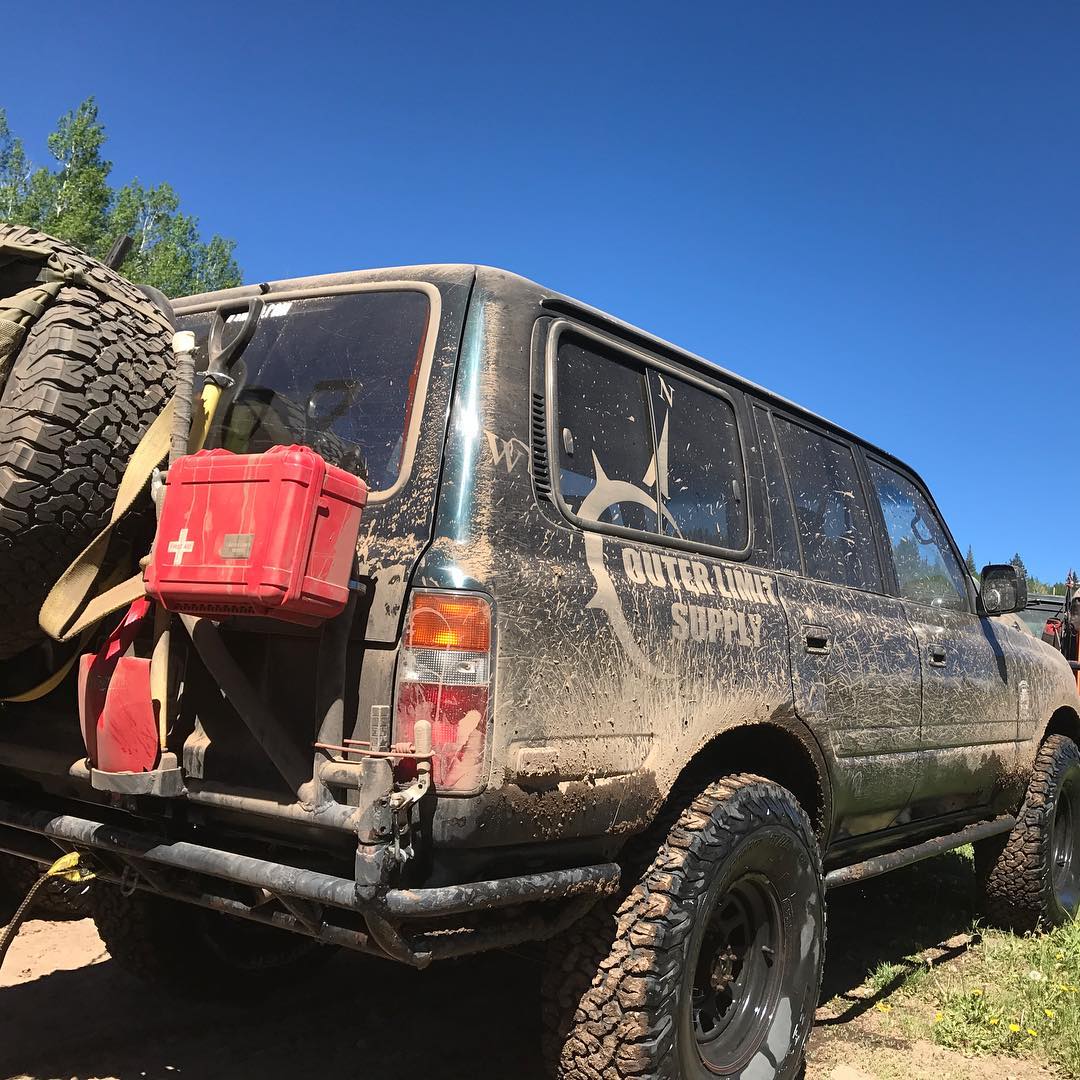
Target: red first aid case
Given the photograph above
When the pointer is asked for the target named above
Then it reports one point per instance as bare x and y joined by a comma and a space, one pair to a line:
269, 534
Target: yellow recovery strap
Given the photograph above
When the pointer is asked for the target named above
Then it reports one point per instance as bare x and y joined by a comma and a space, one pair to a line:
69, 869
70, 610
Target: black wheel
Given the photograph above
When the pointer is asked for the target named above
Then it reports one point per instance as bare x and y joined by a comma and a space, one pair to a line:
711, 966
84, 386
1032, 876
195, 951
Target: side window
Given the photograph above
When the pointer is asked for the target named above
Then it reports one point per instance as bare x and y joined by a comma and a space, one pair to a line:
927, 571
830, 510
604, 433
699, 467
785, 538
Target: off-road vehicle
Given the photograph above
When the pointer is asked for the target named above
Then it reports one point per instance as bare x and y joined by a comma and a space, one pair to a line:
638, 659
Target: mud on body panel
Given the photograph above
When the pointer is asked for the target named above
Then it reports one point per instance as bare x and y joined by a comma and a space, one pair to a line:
856, 675
617, 659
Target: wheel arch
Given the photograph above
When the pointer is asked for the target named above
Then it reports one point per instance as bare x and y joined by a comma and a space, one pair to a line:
1064, 721
781, 749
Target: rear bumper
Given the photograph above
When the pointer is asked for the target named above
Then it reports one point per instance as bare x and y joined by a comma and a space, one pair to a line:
331, 909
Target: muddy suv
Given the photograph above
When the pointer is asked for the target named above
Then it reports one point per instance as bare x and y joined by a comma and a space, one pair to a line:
640, 660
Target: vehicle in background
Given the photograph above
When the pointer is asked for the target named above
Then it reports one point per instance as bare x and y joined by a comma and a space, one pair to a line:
1040, 612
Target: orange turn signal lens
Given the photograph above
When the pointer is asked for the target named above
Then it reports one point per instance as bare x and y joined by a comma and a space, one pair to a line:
449, 621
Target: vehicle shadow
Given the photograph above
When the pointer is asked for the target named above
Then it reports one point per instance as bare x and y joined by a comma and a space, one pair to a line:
361, 1017
928, 911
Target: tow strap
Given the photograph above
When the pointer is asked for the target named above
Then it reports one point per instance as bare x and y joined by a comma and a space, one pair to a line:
72, 607
68, 869
69, 609
20, 311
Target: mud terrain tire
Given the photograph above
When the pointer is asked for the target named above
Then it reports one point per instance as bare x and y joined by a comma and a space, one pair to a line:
77, 397
1032, 876
192, 951
711, 965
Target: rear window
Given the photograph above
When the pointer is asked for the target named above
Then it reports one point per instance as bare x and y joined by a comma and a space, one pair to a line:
337, 373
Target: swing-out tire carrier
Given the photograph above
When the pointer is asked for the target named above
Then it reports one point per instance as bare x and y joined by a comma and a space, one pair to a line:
334, 910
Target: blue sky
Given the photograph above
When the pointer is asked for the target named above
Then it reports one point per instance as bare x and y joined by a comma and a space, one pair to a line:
871, 208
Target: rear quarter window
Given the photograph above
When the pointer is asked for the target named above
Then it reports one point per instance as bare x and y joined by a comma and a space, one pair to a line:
642, 450
699, 465
604, 438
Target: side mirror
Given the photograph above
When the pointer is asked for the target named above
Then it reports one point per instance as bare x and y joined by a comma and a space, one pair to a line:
1003, 589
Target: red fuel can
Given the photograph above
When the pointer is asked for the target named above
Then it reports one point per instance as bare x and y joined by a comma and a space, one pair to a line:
269, 534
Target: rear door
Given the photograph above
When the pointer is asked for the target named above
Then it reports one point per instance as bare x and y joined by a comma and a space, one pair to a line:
854, 659
970, 701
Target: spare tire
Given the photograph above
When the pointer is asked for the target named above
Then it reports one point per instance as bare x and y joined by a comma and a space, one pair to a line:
85, 384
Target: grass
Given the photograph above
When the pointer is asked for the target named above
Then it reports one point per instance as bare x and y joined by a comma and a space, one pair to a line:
907, 951
1014, 995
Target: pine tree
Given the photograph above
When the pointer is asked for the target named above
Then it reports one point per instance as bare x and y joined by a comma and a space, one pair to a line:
75, 202
1019, 564
970, 562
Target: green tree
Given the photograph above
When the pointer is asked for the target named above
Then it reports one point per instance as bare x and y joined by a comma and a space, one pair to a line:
75, 202
14, 172
1019, 564
969, 561
72, 202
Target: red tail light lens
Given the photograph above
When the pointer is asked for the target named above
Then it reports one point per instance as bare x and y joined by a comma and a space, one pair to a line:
444, 677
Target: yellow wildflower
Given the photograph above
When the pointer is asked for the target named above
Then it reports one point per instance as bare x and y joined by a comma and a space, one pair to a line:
1049, 1013
976, 992
882, 1007
993, 1021
1014, 1027
1032, 1031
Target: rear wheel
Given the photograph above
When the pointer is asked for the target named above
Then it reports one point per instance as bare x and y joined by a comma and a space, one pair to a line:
1032, 876
711, 966
192, 950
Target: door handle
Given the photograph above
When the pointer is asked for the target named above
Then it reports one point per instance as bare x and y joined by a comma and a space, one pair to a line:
818, 640
937, 655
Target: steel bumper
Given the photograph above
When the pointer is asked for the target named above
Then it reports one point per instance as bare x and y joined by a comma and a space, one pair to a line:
301, 898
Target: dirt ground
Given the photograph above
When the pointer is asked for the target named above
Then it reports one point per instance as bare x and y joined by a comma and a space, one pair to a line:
67, 1011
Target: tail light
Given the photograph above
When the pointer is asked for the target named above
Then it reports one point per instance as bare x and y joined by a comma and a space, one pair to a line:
444, 677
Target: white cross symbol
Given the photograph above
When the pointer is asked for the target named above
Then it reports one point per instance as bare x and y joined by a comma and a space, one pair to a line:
179, 547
